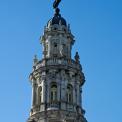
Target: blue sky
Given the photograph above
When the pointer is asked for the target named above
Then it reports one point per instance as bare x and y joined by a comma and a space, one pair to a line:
97, 27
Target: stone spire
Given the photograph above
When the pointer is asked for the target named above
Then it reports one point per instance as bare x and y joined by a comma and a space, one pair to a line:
57, 79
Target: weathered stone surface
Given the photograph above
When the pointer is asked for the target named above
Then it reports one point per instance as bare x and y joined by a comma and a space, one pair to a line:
57, 79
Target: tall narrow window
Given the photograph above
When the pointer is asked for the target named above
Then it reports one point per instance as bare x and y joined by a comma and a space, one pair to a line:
40, 95
53, 92
69, 94
55, 49
55, 45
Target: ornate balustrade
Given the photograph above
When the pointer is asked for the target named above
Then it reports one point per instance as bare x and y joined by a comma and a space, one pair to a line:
52, 105
57, 61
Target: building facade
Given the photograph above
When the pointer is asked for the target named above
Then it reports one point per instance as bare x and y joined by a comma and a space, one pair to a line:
57, 79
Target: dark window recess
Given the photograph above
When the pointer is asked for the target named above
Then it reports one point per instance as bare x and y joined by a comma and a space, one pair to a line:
55, 44
55, 28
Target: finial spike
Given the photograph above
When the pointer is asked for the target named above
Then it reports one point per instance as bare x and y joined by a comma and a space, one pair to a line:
77, 58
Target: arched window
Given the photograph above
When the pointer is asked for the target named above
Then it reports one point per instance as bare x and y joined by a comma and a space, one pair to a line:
40, 95
69, 94
53, 93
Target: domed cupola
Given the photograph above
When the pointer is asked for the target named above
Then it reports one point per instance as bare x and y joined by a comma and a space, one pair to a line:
57, 20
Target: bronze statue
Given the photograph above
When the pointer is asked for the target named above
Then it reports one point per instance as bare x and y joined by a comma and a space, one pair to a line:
56, 3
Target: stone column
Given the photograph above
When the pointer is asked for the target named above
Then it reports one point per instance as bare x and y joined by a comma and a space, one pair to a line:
58, 90
49, 47
33, 93
63, 89
78, 99
75, 88
80, 96
44, 92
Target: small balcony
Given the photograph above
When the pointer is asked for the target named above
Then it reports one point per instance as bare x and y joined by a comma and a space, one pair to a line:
54, 105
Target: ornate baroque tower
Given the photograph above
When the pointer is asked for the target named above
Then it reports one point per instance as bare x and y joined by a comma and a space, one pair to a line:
57, 79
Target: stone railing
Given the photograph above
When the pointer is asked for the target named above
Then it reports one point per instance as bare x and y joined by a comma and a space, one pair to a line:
35, 109
53, 105
57, 61
38, 108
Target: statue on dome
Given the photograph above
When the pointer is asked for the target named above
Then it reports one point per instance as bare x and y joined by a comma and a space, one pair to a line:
56, 4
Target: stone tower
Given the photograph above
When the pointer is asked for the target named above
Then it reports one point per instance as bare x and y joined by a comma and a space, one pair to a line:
57, 79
